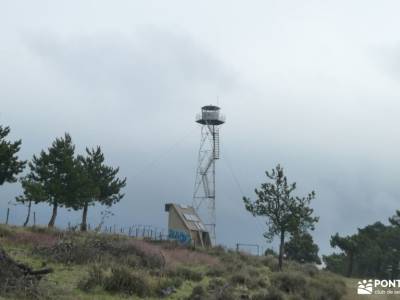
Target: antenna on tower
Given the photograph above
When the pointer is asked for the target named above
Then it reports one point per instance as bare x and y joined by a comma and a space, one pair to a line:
204, 189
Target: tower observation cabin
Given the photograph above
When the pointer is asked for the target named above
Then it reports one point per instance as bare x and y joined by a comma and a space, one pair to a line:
210, 116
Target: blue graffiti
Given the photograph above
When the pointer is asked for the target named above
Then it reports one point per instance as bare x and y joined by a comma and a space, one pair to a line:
182, 237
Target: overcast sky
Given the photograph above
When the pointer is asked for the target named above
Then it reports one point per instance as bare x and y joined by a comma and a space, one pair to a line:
312, 85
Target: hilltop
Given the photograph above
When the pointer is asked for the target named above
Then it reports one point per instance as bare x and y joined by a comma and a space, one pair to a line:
104, 266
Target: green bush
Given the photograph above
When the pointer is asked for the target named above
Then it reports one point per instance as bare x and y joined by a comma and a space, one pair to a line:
271, 262
253, 271
123, 281
216, 284
240, 279
257, 282
289, 282
44, 229
77, 248
217, 250
173, 282
132, 261
186, 273
216, 271
69, 251
5, 231
226, 293
271, 294
309, 269
325, 287
219, 289
198, 293
95, 278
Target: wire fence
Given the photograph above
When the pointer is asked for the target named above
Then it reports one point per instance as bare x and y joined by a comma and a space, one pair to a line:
139, 231
149, 232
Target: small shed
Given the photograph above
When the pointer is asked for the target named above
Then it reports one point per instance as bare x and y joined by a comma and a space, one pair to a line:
185, 226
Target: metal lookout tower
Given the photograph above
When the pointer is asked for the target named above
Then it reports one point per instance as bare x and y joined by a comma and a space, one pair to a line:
204, 188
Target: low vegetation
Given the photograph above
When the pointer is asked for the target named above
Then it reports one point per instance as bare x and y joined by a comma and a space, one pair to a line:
87, 265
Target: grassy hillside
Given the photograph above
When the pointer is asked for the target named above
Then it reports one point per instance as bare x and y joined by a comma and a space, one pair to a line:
100, 266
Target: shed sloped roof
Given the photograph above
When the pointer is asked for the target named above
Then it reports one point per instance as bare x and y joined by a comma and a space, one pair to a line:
188, 215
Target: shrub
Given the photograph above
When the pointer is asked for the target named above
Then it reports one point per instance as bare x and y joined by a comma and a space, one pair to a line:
257, 282
77, 249
271, 262
44, 230
253, 272
216, 271
168, 286
68, 251
217, 250
5, 231
186, 273
24, 287
309, 269
198, 293
226, 293
174, 282
95, 278
325, 288
272, 294
232, 262
219, 289
240, 279
216, 284
289, 282
122, 280
133, 261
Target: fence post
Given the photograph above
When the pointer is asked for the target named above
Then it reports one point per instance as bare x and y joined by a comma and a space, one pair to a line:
8, 214
34, 218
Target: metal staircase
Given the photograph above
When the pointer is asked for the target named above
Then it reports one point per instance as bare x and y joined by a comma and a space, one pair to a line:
216, 143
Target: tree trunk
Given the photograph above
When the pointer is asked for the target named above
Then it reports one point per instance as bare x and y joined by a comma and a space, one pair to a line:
54, 215
16, 269
29, 214
84, 218
350, 266
282, 243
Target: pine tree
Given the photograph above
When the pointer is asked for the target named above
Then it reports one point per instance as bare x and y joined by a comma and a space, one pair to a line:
32, 192
350, 246
395, 220
10, 165
285, 213
54, 176
302, 248
99, 183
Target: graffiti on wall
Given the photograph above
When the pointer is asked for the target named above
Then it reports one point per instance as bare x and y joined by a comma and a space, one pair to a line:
182, 237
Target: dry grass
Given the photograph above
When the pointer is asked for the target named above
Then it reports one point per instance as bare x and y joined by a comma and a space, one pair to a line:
188, 257
102, 266
34, 239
